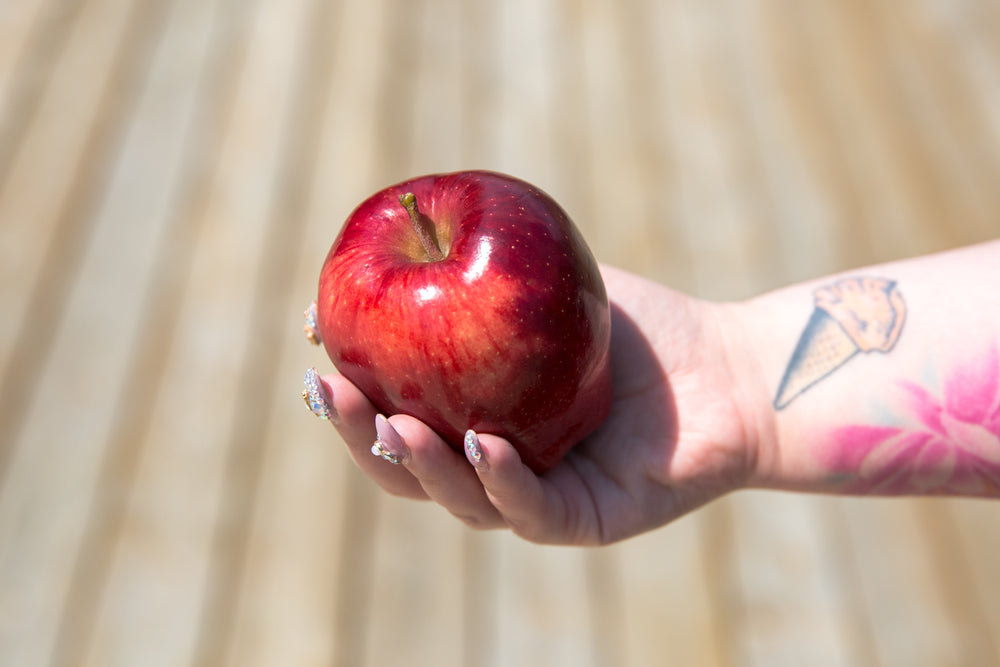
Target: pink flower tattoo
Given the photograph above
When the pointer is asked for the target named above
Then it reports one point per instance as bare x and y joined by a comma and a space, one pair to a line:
951, 444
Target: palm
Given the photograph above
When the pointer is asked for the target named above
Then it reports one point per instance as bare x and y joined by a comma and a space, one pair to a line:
673, 438
672, 441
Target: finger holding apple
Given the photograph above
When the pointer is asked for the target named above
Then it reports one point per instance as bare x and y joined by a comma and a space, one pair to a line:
494, 492
425, 466
353, 415
444, 475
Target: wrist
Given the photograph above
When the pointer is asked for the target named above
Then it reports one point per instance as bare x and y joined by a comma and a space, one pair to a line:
746, 356
752, 352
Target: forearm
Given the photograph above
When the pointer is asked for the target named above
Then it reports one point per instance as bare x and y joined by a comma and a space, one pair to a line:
884, 380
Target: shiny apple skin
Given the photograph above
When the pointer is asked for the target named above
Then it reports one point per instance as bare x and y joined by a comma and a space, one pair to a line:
509, 334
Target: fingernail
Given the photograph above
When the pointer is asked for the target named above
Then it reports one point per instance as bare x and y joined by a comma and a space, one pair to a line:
389, 444
310, 328
315, 397
473, 450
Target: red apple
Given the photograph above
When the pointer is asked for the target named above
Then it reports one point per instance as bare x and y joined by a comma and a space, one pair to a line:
470, 300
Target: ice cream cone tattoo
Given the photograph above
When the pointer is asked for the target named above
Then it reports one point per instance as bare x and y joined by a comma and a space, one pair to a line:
850, 316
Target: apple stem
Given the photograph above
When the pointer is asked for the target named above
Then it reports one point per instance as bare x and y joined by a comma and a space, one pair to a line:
423, 226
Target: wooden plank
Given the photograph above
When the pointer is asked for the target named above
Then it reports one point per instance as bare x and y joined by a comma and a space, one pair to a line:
670, 607
521, 141
136, 513
437, 105
903, 174
416, 587
33, 37
478, 75
219, 329
898, 581
949, 110
847, 141
652, 62
65, 228
978, 533
794, 233
614, 202
273, 298
709, 197
971, 30
54, 144
963, 43
570, 181
961, 594
543, 610
822, 115
21, 25
791, 575
52, 482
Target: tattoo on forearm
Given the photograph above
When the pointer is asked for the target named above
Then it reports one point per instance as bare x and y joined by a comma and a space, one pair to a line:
948, 440
850, 316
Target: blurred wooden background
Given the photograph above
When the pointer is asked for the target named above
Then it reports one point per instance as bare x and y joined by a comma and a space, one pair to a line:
172, 173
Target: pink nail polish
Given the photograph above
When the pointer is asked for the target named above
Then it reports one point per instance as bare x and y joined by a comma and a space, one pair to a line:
474, 451
389, 444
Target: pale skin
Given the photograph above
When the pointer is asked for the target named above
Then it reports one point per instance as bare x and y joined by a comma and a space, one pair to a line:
695, 416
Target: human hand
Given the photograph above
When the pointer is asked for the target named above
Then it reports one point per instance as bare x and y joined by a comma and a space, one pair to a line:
678, 434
